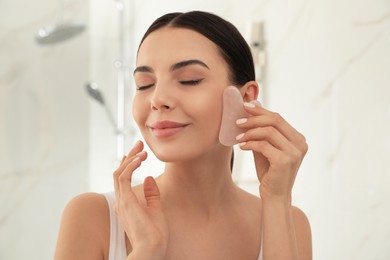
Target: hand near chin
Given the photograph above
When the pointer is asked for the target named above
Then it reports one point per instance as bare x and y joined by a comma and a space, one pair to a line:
145, 225
277, 147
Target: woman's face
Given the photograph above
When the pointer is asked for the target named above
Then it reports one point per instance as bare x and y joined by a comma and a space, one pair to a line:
180, 77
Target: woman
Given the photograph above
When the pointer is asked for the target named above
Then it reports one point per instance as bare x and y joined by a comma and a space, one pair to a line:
194, 210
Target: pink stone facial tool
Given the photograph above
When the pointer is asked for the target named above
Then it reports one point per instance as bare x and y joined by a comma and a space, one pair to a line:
233, 109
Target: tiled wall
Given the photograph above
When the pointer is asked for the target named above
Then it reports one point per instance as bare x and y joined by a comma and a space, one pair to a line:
328, 69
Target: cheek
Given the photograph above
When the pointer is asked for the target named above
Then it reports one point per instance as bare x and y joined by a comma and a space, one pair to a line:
137, 111
210, 108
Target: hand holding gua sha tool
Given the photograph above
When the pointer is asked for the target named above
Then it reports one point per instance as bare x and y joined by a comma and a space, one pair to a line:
233, 109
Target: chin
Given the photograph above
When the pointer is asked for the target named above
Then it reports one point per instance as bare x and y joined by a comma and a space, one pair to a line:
184, 148
172, 155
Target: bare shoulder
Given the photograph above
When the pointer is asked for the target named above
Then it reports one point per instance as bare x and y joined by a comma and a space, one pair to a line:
84, 231
303, 233
87, 209
95, 202
250, 204
249, 197
300, 217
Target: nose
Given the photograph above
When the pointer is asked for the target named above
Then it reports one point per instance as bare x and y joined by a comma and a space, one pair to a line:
162, 99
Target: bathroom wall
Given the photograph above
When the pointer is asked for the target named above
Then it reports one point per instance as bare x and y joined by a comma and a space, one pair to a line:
44, 125
327, 74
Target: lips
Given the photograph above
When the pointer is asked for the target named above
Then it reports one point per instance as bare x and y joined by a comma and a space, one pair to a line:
166, 128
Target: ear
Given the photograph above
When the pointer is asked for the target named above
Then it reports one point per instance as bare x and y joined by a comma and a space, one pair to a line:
249, 91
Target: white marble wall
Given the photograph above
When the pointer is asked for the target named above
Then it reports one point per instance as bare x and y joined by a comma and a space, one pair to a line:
328, 70
44, 126
327, 73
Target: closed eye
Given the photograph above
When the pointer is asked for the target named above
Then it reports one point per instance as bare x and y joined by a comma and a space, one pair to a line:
191, 82
144, 87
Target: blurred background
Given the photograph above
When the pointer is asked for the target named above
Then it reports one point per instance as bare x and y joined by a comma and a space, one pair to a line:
65, 110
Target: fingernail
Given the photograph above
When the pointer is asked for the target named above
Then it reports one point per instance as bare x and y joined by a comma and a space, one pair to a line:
135, 159
241, 121
238, 137
256, 102
140, 153
250, 105
242, 144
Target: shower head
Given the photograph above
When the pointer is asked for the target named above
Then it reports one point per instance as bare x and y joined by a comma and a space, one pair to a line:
58, 33
94, 92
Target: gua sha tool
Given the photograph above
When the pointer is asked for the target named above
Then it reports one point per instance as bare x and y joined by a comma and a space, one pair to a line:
233, 109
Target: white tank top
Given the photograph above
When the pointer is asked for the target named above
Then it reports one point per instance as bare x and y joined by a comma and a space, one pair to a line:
117, 249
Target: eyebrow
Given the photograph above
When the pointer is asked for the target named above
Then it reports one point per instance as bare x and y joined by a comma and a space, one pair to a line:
143, 69
174, 67
185, 63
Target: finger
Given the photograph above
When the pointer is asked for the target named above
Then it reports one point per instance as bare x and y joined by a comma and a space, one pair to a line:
137, 148
274, 155
115, 175
263, 147
263, 117
152, 193
273, 137
269, 134
123, 192
138, 145
124, 180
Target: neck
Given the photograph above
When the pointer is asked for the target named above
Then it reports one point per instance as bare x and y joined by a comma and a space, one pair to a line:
199, 186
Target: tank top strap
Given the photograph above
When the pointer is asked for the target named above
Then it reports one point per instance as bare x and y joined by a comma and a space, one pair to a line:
117, 249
